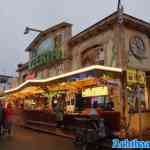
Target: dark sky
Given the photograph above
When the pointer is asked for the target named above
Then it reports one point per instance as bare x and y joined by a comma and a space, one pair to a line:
41, 14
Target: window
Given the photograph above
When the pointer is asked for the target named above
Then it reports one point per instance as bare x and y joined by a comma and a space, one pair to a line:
60, 68
100, 55
46, 45
93, 55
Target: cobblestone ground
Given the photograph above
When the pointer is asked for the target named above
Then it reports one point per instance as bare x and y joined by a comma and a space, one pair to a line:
24, 139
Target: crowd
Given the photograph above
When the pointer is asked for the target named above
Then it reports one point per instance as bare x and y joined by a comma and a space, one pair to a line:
6, 119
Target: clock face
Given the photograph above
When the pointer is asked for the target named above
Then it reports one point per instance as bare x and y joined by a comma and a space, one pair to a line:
137, 47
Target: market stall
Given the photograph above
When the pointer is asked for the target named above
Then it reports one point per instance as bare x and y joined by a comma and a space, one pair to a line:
96, 87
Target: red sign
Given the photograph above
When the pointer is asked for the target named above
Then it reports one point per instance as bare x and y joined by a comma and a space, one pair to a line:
30, 76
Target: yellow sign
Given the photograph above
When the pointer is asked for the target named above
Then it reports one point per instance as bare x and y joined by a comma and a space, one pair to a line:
141, 77
131, 76
97, 91
135, 76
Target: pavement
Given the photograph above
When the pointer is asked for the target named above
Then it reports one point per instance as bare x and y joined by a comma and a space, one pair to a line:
25, 139
54, 131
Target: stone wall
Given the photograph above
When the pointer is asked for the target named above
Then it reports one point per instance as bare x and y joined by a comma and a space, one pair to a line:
105, 39
143, 64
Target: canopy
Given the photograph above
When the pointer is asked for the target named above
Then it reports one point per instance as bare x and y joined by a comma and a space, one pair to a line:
31, 87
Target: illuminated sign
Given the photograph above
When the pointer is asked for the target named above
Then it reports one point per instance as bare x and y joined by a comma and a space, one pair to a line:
96, 91
49, 50
141, 77
45, 58
131, 76
134, 76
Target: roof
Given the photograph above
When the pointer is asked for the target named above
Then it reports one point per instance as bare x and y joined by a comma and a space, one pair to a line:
106, 24
6, 76
41, 34
100, 26
48, 80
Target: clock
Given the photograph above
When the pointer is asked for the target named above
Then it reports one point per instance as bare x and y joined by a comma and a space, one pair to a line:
137, 47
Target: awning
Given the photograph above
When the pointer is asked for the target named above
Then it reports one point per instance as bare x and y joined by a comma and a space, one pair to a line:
31, 87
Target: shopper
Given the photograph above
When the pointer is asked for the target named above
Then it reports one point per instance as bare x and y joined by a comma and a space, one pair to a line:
110, 105
2, 118
59, 115
9, 112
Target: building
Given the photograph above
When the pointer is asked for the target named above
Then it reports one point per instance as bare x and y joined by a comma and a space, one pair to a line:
118, 40
55, 51
6, 82
48, 54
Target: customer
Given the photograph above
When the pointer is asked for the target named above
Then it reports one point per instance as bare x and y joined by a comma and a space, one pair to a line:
9, 112
59, 115
2, 118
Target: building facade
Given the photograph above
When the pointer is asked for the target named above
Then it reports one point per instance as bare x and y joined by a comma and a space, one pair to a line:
6, 82
48, 54
110, 43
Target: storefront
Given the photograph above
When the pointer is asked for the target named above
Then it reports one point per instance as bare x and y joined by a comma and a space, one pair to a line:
138, 106
55, 52
76, 92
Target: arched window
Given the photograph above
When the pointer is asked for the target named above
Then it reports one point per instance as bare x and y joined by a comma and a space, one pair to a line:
93, 55
100, 55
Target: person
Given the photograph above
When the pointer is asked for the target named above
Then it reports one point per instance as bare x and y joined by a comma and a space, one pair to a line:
9, 112
110, 105
59, 112
59, 116
2, 118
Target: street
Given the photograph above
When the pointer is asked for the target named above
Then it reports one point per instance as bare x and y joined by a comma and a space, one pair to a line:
25, 139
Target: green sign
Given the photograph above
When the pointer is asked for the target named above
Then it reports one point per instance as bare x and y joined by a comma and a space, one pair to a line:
45, 58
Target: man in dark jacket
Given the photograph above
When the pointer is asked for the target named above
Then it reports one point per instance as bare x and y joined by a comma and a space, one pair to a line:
2, 117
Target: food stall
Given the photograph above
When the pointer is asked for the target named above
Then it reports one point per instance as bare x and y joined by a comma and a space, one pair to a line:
95, 86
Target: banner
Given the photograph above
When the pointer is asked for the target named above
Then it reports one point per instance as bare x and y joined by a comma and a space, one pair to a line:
45, 58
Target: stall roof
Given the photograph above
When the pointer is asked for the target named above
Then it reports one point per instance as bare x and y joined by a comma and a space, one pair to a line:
33, 82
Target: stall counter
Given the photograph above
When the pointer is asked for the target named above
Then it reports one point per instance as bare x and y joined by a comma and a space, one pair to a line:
41, 118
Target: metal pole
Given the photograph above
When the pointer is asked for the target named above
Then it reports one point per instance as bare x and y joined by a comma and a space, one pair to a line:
27, 29
139, 110
119, 2
36, 30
